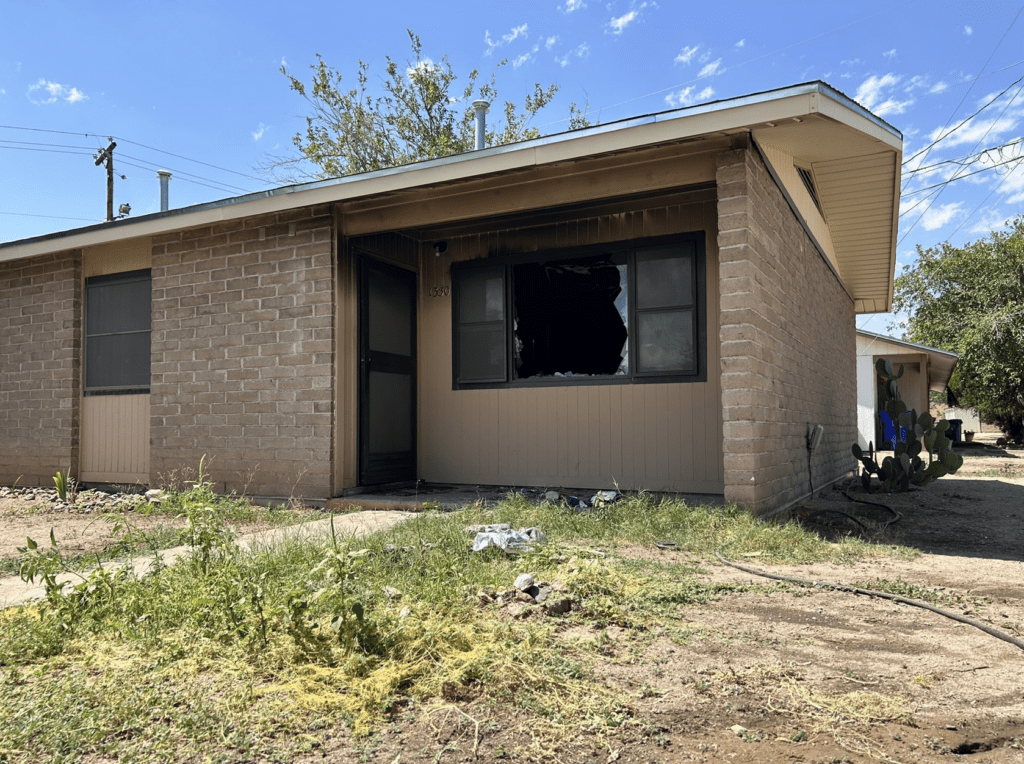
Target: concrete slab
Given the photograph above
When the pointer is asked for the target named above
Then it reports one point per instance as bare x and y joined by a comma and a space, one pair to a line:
14, 591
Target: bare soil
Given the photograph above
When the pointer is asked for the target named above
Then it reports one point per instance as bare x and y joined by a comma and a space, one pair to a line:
770, 674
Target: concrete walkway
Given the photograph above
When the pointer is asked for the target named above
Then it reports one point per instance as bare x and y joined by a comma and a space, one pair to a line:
14, 591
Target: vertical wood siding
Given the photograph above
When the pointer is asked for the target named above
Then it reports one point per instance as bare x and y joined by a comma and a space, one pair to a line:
115, 428
115, 439
652, 436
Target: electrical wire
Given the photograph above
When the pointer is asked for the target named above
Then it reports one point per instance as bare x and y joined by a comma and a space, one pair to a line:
50, 217
945, 183
185, 180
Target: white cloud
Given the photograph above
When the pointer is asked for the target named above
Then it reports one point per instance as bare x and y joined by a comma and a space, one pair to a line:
687, 96
44, 92
851, 61
874, 94
978, 129
890, 53
938, 87
550, 42
993, 220
514, 34
619, 24
968, 31
686, 54
284, 63
258, 132
580, 51
741, 43
574, 5
521, 59
711, 69
424, 65
935, 218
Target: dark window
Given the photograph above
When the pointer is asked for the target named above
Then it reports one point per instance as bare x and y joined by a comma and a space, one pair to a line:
628, 313
118, 311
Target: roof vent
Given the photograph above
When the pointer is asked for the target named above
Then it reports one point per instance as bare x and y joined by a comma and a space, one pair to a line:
808, 179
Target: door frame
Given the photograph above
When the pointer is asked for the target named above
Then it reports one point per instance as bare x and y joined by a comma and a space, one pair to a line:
368, 474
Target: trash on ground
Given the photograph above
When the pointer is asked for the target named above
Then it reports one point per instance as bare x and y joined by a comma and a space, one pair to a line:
506, 539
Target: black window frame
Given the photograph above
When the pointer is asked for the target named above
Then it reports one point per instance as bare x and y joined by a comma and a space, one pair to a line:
503, 264
92, 284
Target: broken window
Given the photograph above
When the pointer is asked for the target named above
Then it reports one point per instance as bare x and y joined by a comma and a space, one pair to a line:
571, 318
631, 314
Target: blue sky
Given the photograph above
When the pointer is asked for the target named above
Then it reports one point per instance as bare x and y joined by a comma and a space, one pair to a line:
201, 81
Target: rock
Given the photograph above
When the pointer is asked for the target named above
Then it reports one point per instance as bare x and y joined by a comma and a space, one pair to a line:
518, 610
404, 612
154, 495
484, 598
542, 594
524, 581
558, 607
738, 730
525, 597
391, 592
551, 496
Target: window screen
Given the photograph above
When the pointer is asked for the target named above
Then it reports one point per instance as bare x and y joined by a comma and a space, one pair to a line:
118, 311
481, 345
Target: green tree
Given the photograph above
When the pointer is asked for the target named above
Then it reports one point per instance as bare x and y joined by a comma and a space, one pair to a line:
416, 113
970, 300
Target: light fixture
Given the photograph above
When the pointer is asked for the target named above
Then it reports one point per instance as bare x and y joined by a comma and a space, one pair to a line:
440, 247
124, 210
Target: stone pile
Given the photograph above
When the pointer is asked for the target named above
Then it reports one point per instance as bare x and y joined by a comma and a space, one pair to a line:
529, 596
86, 502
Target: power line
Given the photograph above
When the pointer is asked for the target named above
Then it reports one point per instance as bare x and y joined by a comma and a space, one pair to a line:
187, 159
185, 180
134, 143
191, 175
943, 136
51, 217
945, 183
962, 161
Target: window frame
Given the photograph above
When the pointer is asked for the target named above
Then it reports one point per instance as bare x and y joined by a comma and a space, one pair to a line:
125, 277
505, 262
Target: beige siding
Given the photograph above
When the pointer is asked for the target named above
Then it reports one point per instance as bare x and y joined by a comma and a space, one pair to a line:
115, 439
652, 436
115, 428
786, 170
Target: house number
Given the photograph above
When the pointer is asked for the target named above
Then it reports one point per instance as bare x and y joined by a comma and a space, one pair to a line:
439, 291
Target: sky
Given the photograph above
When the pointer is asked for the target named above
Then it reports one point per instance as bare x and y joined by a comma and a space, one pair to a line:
197, 89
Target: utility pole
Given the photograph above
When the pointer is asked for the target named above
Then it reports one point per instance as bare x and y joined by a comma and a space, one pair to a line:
107, 155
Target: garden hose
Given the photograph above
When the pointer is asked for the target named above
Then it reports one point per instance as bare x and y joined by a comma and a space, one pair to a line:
872, 593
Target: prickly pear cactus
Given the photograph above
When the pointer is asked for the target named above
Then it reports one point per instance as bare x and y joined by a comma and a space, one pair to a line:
925, 438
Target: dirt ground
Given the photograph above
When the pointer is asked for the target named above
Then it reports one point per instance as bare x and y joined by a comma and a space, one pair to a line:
770, 675
806, 675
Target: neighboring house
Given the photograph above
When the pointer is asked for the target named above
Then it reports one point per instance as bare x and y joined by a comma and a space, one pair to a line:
662, 303
924, 369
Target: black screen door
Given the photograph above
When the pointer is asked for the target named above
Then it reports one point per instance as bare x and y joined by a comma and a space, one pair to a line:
387, 379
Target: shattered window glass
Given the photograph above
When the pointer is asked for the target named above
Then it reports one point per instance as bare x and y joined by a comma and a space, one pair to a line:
571, 318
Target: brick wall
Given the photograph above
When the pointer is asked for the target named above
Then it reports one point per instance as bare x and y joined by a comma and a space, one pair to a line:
40, 362
243, 359
788, 344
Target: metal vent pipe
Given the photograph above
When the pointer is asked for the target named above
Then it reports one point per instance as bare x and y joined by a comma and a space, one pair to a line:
481, 122
165, 179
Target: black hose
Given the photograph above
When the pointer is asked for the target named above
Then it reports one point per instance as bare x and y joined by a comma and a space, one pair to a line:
895, 515
872, 593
